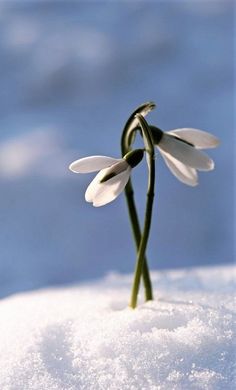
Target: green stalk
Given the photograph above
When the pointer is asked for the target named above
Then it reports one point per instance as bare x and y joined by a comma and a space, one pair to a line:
132, 126
147, 137
125, 147
137, 237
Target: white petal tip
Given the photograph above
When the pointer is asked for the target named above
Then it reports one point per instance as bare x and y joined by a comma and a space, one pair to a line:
213, 142
216, 143
190, 183
98, 205
71, 168
211, 165
94, 204
87, 198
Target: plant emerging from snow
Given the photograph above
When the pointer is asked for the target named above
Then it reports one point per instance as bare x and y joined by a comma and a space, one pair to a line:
180, 149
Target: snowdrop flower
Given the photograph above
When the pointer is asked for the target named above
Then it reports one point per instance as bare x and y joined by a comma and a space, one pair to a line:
180, 150
112, 178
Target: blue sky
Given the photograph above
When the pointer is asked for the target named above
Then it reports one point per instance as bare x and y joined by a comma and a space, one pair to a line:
71, 74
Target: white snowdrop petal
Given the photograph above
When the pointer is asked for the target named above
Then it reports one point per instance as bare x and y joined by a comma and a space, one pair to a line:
92, 164
93, 186
199, 138
185, 153
184, 173
108, 191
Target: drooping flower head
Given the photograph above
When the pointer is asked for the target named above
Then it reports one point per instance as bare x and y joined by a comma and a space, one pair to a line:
180, 149
112, 177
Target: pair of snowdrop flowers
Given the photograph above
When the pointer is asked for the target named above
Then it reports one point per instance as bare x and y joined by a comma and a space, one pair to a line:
180, 149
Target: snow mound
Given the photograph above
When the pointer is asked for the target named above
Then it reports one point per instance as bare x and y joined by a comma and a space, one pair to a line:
85, 337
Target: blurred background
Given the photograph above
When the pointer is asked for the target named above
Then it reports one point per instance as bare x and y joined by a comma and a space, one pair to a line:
71, 74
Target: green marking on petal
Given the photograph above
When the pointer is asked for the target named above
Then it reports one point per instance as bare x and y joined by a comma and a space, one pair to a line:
182, 140
108, 177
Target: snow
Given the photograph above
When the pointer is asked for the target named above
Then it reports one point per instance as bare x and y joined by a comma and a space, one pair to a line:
85, 337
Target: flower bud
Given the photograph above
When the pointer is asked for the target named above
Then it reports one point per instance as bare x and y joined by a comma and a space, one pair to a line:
156, 134
134, 157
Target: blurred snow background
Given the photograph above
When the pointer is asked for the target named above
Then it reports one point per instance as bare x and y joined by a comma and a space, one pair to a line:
71, 73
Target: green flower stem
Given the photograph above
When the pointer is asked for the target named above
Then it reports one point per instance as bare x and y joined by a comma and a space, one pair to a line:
148, 215
137, 237
132, 126
125, 147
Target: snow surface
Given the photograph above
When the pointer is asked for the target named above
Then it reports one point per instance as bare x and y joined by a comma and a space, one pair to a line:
85, 337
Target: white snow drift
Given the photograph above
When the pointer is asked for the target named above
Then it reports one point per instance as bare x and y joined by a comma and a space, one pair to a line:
86, 337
